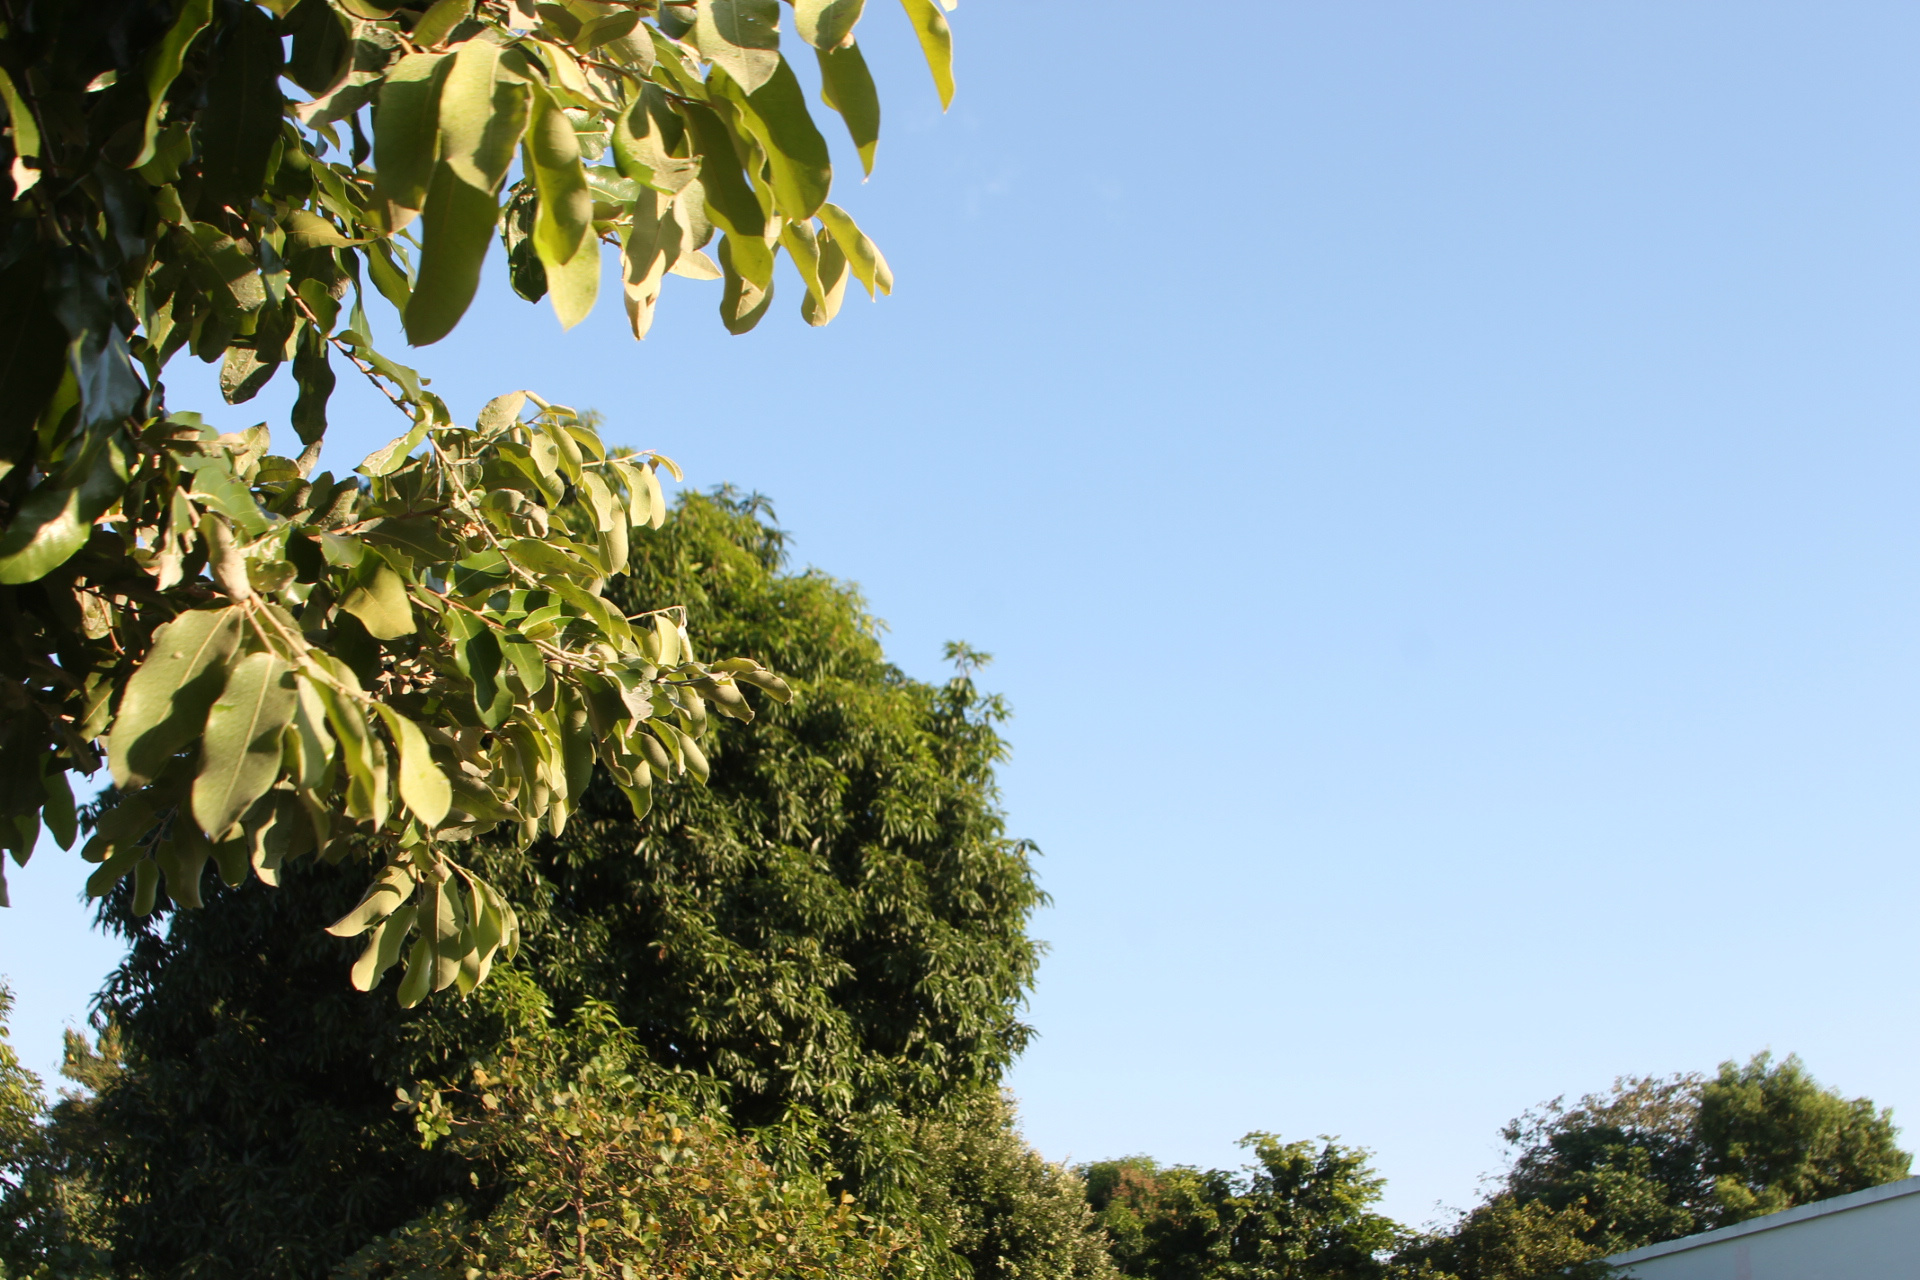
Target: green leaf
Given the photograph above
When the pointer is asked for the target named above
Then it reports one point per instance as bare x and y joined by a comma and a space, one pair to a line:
936, 42
847, 86
565, 215
863, 257
574, 284
57, 518
360, 751
742, 302
413, 987
390, 456
240, 126
164, 706
313, 374
729, 196
802, 169
163, 65
741, 37
605, 30
439, 20
240, 752
406, 136
383, 950
500, 412
826, 24
831, 271
457, 229
544, 557
388, 891
476, 651
483, 114
311, 231
26, 146
62, 823
243, 373
422, 785
379, 599
322, 48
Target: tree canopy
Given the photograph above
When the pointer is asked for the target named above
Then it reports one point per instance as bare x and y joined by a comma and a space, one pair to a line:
273, 663
1657, 1158
1301, 1211
822, 951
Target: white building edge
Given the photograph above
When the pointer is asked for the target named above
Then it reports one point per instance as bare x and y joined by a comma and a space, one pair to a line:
1867, 1235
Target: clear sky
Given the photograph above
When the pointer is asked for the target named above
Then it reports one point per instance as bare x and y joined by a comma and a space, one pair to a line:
1438, 480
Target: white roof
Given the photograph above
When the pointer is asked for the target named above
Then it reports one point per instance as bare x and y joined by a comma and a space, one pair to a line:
1772, 1221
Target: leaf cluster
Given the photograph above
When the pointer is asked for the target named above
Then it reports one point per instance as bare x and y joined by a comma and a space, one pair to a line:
268, 659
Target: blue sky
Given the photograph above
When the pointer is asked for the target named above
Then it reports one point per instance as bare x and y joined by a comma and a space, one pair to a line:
1438, 482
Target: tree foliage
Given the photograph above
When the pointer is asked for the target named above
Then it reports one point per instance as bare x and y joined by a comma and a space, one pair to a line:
1657, 1158
999, 1204
274, 663
1302, 1211
819, 950
583, 1172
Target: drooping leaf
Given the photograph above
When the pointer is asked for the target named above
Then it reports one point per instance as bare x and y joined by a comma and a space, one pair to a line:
826, 24
240, 752
406, 135
741, 37
439, 21
574, 284
422, 785
802, 169
566, 207
237, 131
163, 64
936, 43
456, 231
165, 704
322, 47
391, 888
863, 256
729, 196
847, 86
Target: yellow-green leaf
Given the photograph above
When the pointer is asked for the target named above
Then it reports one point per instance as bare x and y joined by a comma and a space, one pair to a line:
741, 37
826, 24
240, 752
165, 704
379, 599
936, 42
847, 86
422, 785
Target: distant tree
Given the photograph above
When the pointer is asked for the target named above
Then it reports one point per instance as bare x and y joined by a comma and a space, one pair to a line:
999, 1204
1303, 1211
1662, 1157
1161, 1221
820, 948
49, 1216
1771, 1137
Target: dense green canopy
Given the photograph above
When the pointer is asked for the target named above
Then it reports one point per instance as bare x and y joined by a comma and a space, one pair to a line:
823, 946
